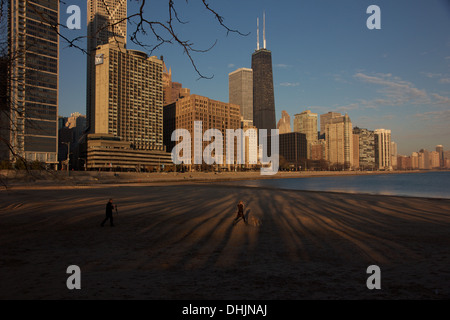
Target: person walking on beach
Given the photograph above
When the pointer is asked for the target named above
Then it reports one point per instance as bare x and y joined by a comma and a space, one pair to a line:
240, 213
109, 213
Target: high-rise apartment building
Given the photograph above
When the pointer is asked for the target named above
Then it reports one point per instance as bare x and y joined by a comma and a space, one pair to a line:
325, 118
339, 137
33, 80
106, 23
306, 122
366, 148
213, 114
435, 162
355, 151
129, 96
440, 150
414, 160
383, 149
394, 154
240, 91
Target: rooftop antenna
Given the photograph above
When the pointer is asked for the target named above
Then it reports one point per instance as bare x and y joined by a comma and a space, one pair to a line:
264, 29
257, 33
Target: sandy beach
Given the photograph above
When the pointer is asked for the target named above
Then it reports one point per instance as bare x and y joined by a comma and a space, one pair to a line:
178, 242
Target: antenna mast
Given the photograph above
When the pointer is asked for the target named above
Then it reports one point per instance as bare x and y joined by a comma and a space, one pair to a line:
257, 33
264, 30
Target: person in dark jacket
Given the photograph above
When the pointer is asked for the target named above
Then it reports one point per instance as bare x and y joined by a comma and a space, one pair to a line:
240, 213
109, 212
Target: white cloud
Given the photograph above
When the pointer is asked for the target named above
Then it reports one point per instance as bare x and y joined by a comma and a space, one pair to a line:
231, 65
282, 65
441, 100
290, 84
434, 115
396, 91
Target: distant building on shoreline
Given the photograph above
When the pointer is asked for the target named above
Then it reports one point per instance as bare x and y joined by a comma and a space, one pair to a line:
284, 124
339, 138
306, 122
325, 118
293, 150
366, 148
240, 91
440, 150
383, 149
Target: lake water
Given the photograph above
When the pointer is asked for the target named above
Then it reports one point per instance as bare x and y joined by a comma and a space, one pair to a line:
426, 184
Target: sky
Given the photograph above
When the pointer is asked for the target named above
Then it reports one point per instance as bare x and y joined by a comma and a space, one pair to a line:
324, 59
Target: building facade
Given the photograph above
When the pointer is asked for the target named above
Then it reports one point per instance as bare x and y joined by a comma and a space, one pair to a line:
435, 162
129, 96
440, 150
211, 113
33, 79
306, 122
284, 125
240, 91
355, 151
325, 119
263, 90
293, 149
383, 149
111, 153
339, 137
107, 23
172, 91
414, 160
366, 148
394, 155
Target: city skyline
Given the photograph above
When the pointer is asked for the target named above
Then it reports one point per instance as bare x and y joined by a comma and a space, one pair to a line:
397, 77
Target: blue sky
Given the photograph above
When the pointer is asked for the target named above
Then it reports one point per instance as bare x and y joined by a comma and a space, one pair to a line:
324, 59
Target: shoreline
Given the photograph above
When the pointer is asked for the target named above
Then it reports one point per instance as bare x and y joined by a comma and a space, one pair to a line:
44, 179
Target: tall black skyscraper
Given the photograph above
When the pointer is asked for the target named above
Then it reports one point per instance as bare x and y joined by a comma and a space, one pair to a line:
263, 93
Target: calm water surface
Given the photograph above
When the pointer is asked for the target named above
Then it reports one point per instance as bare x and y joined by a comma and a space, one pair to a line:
427, 184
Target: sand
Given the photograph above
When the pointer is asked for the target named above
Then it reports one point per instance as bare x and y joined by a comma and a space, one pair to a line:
178, 242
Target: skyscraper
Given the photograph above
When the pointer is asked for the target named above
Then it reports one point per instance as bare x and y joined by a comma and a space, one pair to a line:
366, 148
240, 91
383, 149
325, 118
284, 125
440, 150
129, 96
33, 80
106, 23
339, 137
172, 91
394, 155
306, 122
213, 114
263, 91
